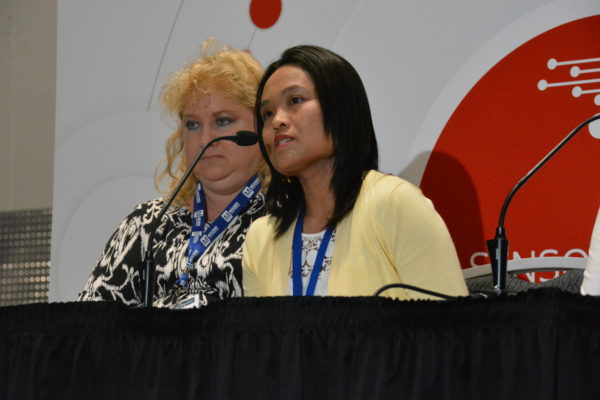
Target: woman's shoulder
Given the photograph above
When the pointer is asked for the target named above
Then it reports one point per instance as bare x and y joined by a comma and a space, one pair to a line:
154, 206
259, 235
256, 208
145, 212
379, 185
264, 224
149, 206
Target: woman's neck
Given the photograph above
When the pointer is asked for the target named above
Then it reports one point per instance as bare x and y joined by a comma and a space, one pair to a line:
318, 198
215, 203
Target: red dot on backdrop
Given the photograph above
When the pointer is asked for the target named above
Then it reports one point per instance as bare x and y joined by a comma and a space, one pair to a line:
501, 129
265, 13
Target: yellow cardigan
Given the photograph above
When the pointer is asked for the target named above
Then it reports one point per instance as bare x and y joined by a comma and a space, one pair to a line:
392, 235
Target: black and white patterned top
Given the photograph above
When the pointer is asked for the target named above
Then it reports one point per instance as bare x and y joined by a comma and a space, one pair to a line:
217, 274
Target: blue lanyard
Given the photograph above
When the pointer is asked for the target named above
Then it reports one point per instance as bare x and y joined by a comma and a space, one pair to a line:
297, 259
202, 237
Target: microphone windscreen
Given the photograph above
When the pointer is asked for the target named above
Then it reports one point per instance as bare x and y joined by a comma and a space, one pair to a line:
246, 138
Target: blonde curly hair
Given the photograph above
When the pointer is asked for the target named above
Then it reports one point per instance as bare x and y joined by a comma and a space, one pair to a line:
219, 68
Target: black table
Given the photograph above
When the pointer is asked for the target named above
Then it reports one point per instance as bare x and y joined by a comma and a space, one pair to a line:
541, 344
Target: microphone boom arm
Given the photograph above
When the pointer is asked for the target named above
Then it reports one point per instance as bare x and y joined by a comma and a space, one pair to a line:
241, 138
498, 247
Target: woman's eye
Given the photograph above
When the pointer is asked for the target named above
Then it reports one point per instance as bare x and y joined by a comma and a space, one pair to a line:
266, 115
223, 121
296, 100
192, 125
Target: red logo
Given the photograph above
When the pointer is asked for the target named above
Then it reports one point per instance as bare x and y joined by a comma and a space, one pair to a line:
517, 112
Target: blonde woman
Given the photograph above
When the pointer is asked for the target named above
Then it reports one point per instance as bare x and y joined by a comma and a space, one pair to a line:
212, 96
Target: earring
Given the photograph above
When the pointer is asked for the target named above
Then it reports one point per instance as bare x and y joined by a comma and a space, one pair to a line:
288, 180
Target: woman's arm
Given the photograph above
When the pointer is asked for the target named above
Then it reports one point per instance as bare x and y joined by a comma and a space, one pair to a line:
421, 245
116, 276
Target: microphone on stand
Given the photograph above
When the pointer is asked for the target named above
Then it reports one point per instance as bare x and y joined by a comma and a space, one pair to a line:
498, 247
241, 138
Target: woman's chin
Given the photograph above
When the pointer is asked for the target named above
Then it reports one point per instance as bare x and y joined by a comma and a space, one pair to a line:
208, 178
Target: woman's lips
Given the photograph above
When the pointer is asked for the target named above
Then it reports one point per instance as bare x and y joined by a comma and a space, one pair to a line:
210, 157
282, 140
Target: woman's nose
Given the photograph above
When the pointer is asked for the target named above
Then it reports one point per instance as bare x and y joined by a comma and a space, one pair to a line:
280, 120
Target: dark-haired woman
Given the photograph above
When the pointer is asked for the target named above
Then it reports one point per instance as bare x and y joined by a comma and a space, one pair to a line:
337, 226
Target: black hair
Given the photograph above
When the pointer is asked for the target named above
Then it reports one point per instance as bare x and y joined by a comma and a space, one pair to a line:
346, 119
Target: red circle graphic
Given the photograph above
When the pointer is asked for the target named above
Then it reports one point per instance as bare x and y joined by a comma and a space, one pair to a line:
502, 128
265, 13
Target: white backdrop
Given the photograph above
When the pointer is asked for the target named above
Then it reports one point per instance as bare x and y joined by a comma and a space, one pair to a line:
417, 59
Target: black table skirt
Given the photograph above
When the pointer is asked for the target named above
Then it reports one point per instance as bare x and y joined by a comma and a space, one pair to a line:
542, 344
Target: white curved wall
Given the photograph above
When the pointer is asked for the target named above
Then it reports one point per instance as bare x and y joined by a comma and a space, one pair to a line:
417, 60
